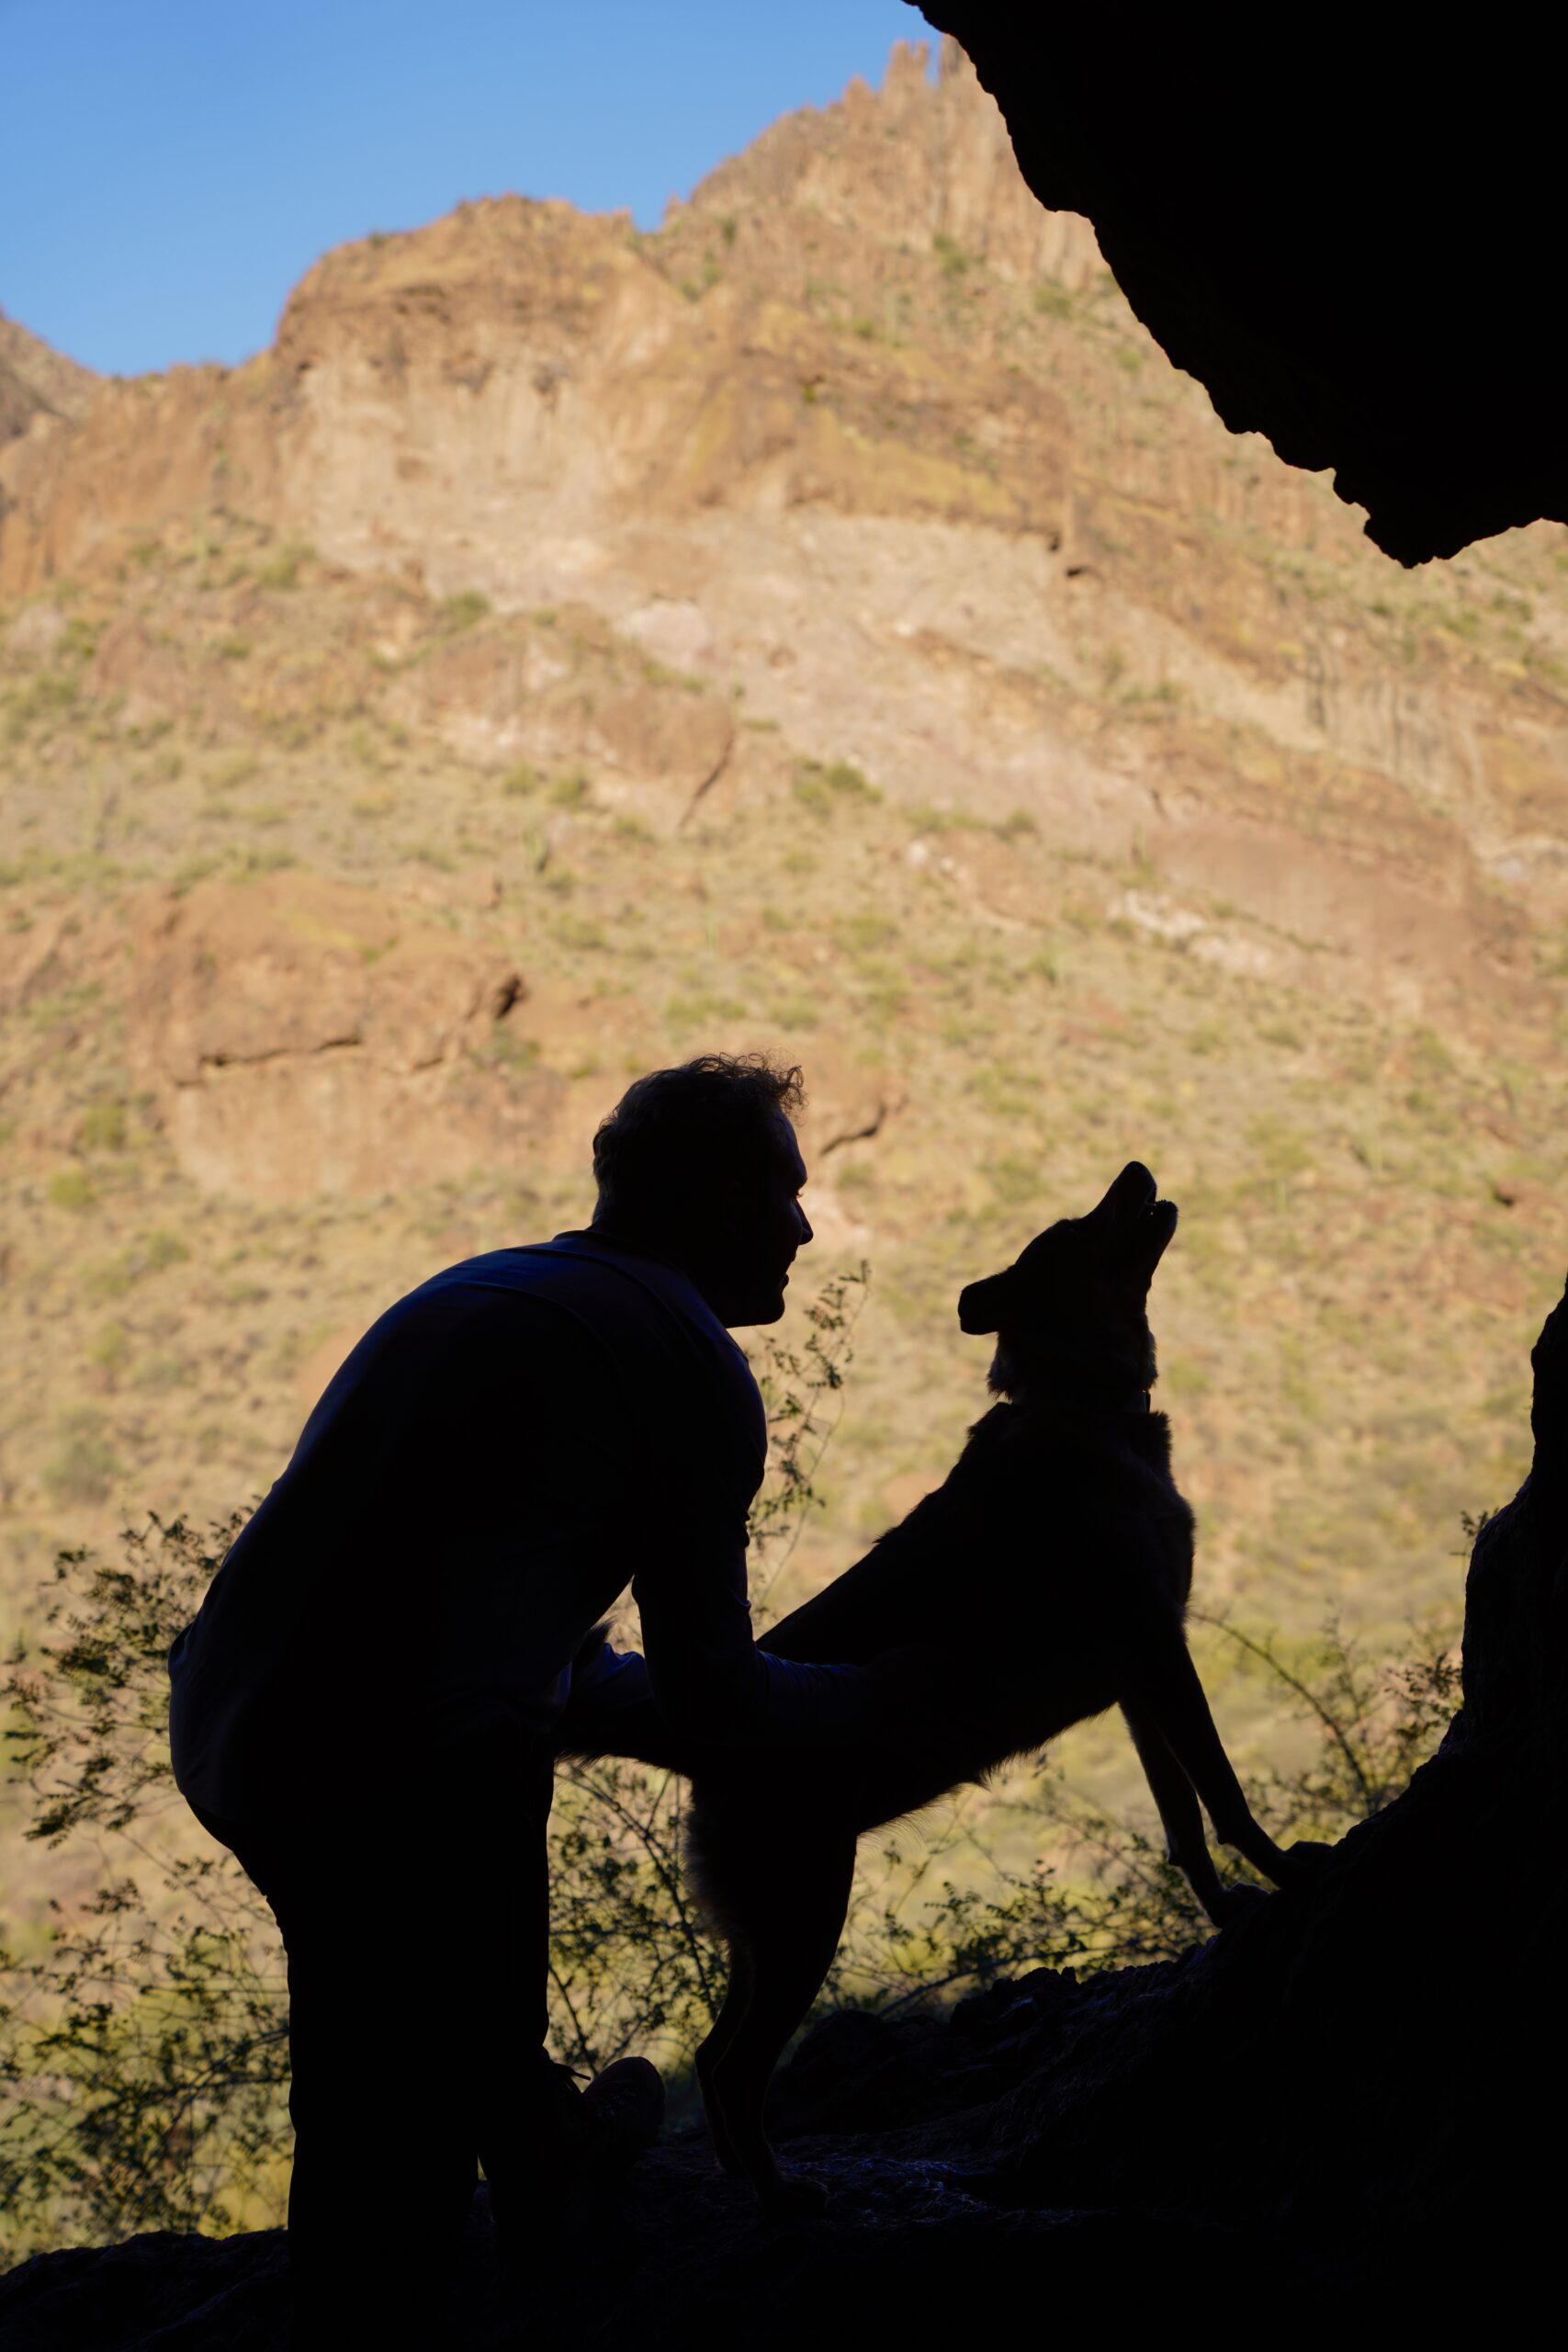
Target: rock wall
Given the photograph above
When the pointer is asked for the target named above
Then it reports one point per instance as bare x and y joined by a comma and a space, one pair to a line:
339, 1030
36, 385
867, 435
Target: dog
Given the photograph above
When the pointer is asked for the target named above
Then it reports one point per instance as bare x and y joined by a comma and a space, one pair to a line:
1046, 1581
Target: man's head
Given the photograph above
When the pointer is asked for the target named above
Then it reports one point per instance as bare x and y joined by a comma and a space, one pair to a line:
700, 1165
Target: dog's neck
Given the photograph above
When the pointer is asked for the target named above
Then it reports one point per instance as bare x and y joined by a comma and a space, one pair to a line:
1083, 1401
1105, 1385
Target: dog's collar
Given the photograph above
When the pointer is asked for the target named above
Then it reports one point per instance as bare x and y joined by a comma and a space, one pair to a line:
1132, 1406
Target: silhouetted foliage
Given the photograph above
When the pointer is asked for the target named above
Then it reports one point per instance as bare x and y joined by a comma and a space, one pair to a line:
143, 2053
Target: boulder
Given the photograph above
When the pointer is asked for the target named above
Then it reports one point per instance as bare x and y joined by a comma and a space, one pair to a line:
305, 1035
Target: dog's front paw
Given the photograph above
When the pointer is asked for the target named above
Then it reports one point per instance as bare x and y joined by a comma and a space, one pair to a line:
1238, 1902
1303, 1861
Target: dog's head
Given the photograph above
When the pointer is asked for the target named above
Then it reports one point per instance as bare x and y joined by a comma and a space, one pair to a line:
1072, 1312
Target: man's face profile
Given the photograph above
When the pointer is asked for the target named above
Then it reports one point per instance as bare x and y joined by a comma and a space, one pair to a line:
766, 1226
701, 1166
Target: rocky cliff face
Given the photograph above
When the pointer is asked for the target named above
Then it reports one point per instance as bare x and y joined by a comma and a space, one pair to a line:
38, 385
336, 1027
864, 432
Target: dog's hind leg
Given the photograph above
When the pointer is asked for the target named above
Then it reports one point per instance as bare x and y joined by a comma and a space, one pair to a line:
792, 1917
721, 2035
1181, 1817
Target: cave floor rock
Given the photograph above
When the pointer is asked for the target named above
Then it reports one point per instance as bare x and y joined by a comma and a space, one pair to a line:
915, 2234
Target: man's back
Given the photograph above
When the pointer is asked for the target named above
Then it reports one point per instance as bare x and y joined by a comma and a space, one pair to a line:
504, 1449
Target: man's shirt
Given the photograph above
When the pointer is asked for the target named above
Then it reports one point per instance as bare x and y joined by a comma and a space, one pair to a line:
503, 1453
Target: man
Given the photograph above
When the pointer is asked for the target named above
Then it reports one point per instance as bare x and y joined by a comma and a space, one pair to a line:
365, 1707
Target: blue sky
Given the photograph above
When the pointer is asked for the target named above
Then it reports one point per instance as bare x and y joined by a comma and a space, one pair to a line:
169, 168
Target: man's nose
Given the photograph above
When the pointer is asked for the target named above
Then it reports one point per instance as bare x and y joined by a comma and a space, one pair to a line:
805, 1224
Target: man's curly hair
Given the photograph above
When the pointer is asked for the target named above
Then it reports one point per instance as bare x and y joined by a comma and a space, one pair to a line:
698, 1127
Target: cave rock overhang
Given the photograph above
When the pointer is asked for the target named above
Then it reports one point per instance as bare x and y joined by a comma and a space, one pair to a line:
1348, 224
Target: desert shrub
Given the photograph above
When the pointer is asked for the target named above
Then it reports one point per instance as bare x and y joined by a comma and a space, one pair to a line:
1014, 1178
83, 1465
148, 1253
110, 1351
104, 1126
71, 1188
463, 610
819, 788
282, 569
143, 2050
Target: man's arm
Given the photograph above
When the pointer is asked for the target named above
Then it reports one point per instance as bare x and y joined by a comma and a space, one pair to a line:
611, 1711
712, 1684
606, 1682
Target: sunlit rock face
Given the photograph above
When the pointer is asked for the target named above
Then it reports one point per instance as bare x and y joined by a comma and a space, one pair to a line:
865, 441
38, 386
293, 1028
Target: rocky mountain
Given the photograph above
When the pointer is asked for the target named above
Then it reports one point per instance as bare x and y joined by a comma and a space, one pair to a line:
865, 433
826, 622
36, 382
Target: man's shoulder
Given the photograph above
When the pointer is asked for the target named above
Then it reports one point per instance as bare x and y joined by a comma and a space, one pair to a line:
614, 1315
607, 1288
532, 1270
672, 1305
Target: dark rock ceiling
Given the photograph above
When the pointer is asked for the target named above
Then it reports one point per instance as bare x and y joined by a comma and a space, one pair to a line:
1346, 222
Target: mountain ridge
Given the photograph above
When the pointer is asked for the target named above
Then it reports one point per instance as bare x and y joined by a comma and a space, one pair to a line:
36, 380
531, 404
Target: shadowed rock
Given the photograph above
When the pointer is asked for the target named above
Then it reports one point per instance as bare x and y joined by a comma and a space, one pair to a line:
1305, 218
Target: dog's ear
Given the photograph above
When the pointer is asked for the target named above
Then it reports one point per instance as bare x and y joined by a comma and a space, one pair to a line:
983, 1305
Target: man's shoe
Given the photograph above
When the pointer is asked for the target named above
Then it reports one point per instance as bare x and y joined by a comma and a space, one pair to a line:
586, 2140
623, 2108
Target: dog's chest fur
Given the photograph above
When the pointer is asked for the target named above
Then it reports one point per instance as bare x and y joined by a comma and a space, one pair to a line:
1073, 1493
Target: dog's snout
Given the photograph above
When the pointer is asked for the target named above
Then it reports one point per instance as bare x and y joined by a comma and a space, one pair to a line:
1131, 1192
981, 1304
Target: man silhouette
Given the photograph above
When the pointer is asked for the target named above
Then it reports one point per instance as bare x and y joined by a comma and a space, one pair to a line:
364, 1709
